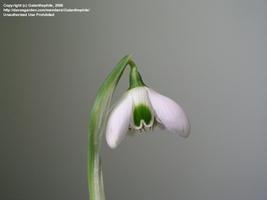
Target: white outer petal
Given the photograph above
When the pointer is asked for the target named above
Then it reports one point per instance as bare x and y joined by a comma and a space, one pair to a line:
169, 113
118, 121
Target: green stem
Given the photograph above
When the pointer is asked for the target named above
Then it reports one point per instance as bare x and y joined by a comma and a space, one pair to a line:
97, 123
135, 77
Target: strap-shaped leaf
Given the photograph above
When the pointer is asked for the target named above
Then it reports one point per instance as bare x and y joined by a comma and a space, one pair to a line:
97, 123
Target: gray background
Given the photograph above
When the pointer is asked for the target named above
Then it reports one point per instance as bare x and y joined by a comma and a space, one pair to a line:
209, 55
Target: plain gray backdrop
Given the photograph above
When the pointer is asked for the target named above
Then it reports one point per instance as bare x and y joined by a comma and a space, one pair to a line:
208, 55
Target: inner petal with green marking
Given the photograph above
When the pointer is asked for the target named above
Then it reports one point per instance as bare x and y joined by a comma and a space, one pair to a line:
142, 114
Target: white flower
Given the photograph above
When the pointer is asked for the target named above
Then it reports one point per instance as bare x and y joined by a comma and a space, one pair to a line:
140, 109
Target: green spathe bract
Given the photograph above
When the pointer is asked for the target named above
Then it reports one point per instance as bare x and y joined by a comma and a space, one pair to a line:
97, 123
142, 112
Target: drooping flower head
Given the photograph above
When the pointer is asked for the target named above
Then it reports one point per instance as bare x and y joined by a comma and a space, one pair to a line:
141, 109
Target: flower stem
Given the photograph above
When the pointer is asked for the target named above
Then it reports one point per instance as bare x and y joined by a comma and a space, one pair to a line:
97, 123
135, 77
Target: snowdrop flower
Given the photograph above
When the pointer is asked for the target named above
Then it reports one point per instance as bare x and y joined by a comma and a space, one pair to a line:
141, 109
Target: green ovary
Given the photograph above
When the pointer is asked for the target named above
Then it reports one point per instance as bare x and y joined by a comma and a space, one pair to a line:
141, 112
